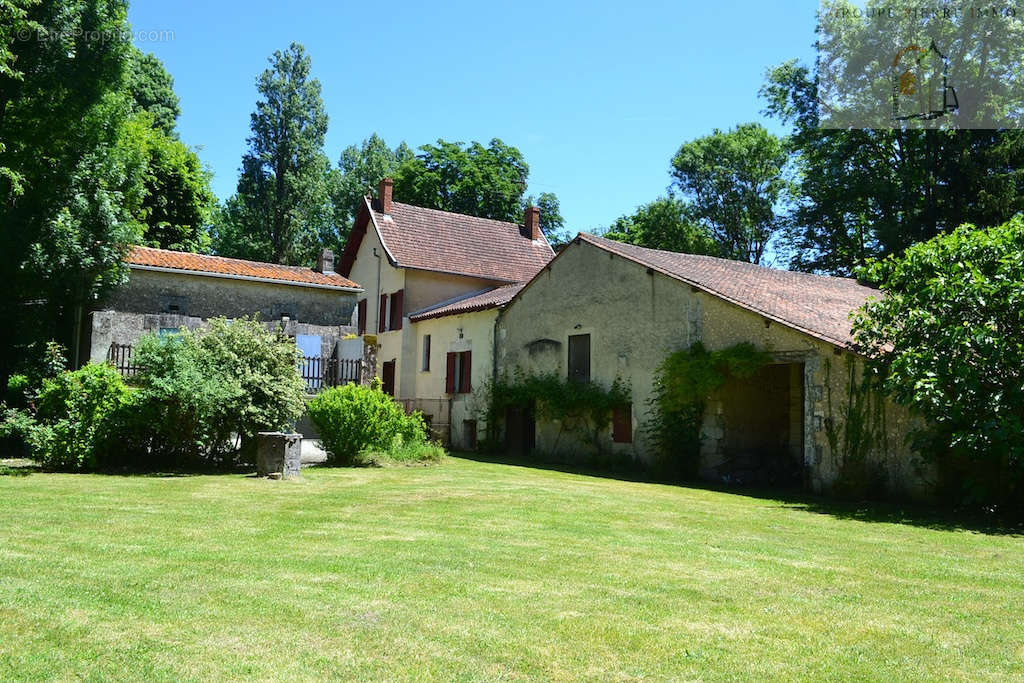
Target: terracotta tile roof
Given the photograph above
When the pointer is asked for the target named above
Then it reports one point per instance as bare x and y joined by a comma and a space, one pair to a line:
218, 266
455, 243
816, 305
481, 301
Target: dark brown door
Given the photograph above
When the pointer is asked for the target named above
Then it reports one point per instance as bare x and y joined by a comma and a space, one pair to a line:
388, 377
520, 430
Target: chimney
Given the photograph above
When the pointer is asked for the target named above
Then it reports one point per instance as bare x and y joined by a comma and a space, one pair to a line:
325, 261
531, 227
384, 194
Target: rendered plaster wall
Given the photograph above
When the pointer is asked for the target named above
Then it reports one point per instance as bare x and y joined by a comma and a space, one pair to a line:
455, 333
420, 289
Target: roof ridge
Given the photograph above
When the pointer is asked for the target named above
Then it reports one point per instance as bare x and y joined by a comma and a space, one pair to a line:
454, 213
746, 300
735, 263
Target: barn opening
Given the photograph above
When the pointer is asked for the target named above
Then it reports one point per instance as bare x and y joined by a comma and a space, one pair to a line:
762, 434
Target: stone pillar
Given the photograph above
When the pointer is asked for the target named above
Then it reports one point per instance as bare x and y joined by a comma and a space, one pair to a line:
278, 455
368, 366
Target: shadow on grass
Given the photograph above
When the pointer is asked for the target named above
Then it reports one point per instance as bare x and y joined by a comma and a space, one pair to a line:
870, 511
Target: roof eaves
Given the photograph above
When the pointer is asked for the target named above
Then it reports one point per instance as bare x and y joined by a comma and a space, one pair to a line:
250, 278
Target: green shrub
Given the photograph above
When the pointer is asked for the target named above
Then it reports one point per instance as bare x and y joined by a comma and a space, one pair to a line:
19, 390
354, 419
200, 392
78, 419
15, 431
180, 402
945, 341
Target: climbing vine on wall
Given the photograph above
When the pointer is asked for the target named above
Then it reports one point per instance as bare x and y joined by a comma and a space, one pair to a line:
683, 383
583, 408
857, 433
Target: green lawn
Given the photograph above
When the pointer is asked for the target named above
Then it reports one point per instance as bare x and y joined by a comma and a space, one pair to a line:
477, 570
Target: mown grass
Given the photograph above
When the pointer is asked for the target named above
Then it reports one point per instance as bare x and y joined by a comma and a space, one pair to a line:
479, 570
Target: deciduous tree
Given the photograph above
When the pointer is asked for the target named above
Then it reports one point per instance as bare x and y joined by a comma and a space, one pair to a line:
733, 181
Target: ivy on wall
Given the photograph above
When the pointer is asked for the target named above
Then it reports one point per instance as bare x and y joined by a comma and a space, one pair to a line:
582, 408
858, 435
683, 383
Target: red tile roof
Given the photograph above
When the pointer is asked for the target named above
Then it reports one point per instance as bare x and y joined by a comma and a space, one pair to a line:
817, 305
492, 298
442, 241
218, 266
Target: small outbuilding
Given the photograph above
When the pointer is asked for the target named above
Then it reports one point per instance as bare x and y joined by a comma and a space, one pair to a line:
169, 290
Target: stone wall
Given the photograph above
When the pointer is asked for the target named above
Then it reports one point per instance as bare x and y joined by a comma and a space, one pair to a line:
198, 296
127, 328
154, 301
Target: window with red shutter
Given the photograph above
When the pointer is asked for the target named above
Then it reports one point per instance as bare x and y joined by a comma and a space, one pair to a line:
465, 370
396, 310
382, 315
449, 379
622, 424
361, 312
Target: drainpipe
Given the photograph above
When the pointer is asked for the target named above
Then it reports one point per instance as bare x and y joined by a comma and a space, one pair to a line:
376, 300
494, 360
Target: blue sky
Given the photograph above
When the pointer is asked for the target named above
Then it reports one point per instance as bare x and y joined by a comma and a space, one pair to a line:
597, 95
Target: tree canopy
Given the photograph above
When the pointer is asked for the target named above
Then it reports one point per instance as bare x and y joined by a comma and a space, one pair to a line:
70, 184
488, 182
666, 223
864, 193
360, 169
152, 91
733, 181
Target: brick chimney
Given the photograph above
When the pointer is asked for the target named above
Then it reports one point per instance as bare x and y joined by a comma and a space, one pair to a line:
325, 261
531, 224
384, 194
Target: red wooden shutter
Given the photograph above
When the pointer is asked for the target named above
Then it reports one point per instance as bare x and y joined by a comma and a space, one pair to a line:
622, 424
382, 314
397, 309
466, 385
362, 316
449, 380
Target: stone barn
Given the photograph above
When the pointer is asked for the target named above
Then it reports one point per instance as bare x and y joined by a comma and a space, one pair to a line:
604, 310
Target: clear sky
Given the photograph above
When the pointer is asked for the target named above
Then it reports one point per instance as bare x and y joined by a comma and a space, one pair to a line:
597, 95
